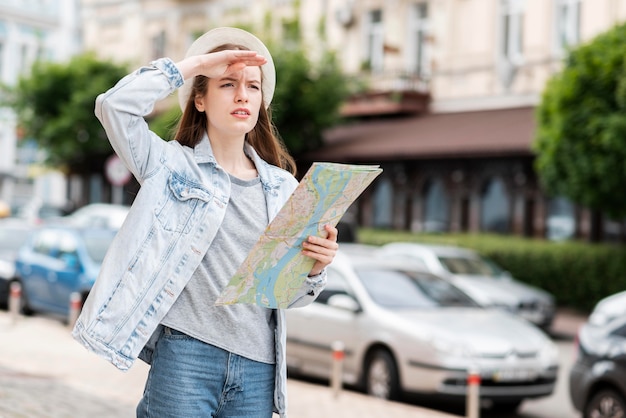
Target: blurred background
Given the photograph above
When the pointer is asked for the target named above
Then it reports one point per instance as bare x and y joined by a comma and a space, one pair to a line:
499, 125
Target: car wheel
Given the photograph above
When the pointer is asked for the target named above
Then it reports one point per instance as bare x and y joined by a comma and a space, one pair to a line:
606, 403
381, 378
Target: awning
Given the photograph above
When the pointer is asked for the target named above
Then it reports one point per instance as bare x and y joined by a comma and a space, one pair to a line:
475, 134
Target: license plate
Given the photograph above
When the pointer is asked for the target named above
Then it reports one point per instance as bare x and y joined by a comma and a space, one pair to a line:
514, 375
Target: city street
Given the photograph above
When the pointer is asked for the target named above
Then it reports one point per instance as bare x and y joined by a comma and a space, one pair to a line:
44, 373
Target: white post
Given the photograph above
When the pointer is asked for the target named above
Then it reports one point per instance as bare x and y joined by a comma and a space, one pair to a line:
15, 298
338, 355
76, 301
472, 404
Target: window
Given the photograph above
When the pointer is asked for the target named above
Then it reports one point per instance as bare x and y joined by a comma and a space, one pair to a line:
336, 285
418, 40
383, 204
495, 207
567, 24
512, 19
436, 213
375, 40
511, 39
46, 243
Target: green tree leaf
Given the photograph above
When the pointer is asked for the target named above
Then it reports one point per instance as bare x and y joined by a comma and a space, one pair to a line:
580, 139
55, 107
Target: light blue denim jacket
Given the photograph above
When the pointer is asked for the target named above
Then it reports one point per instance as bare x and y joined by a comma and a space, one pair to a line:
170, 226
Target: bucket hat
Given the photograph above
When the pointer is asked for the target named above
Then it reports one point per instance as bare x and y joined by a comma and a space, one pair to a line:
227, 35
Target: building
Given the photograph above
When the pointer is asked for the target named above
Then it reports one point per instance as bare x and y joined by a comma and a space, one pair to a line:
31, 30
449, 110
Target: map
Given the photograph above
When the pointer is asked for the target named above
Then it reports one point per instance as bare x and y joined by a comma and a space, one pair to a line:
275, 268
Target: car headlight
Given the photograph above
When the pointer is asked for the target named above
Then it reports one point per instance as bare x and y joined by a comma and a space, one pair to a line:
549, 353
451, 348
7, 269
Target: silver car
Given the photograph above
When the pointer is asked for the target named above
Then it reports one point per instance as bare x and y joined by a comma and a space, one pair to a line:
410, 331
481, 279
608, 309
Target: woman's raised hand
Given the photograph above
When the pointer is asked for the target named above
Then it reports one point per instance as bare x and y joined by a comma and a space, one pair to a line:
218, 64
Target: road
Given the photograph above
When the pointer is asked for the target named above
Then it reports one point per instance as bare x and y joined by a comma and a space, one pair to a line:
42, 370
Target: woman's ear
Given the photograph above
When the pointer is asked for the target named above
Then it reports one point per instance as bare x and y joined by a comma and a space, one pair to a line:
199, 104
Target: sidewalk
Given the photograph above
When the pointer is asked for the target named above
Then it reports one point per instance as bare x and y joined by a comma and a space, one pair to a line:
44, 373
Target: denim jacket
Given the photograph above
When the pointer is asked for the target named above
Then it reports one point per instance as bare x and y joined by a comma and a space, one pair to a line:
169, 228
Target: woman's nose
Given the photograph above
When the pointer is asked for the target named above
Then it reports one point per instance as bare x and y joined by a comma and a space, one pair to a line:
242, 94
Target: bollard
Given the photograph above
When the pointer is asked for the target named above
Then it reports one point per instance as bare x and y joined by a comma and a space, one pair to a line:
76, 301
472, 404
338, 355
15, 300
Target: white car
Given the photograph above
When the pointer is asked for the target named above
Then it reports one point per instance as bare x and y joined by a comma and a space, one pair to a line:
608, 309
406, 331
99, 215
480, 278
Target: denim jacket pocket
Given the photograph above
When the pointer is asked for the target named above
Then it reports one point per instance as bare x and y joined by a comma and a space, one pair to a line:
180, 203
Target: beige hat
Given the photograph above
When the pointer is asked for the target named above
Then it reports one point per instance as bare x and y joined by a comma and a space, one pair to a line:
220, 36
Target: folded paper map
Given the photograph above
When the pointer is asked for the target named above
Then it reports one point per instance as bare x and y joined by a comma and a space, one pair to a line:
275, 268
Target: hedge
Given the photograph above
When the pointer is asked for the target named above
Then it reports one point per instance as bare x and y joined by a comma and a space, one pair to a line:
578, 274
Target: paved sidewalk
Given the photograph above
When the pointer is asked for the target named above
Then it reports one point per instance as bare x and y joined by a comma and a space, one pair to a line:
44, 373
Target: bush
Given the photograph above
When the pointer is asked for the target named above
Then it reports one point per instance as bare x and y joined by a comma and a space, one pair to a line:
577, 274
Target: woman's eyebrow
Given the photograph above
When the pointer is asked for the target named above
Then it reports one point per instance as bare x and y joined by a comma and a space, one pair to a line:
229, 78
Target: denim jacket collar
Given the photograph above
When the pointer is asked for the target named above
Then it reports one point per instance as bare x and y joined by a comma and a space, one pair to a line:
271, 181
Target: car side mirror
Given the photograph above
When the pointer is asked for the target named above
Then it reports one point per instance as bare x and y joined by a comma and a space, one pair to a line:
344, 302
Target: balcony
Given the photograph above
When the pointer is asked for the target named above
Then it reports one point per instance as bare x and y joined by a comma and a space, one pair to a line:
389, 94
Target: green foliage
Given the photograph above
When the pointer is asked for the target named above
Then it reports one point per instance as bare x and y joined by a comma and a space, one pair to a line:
164, 124
55, 107
307, 97
578, 274
581, 126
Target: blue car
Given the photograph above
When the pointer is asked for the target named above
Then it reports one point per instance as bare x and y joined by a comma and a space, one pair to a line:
57, 261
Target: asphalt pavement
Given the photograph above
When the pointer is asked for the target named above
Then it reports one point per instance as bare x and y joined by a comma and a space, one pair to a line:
44, 373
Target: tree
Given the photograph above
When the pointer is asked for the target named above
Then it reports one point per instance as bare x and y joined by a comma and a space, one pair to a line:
581, 126
307, 97
55, 107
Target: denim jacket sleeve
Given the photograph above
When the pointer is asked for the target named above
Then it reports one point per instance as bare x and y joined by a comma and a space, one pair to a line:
310, 290
121, 111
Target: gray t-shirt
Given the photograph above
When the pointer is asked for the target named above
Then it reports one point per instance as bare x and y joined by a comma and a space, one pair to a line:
243, 329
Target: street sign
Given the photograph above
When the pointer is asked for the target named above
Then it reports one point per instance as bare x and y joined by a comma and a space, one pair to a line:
116, 172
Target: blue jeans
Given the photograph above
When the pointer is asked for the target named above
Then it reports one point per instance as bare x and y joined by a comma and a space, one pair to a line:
189, 378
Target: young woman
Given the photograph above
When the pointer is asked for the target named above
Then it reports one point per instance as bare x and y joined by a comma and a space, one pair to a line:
205, 199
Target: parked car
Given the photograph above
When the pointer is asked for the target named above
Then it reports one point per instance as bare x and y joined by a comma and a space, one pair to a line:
597, 380
480, 278
608, 309
98, 215
36, 211
56, 261
406, 331
13, 233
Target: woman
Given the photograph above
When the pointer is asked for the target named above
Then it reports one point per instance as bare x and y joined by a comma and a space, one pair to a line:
204, 201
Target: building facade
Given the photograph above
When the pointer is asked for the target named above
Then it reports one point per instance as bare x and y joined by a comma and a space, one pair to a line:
449, 108
31, 30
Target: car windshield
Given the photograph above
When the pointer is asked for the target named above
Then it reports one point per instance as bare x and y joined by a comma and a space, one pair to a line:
396, 289
97, 243
470, 266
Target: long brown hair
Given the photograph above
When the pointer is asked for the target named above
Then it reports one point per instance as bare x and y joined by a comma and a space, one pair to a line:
263, 137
